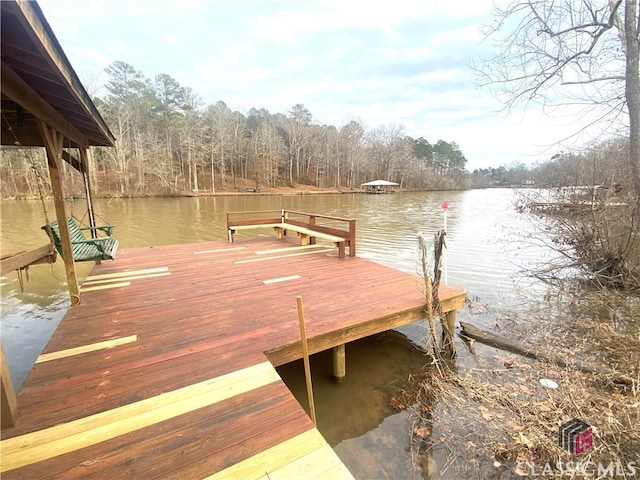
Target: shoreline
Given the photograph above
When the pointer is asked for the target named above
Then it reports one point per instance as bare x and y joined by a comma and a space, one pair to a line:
287, 192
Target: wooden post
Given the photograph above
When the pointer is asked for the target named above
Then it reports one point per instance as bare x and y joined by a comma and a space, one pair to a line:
84, 170
352, 238
305, 358
9, 405
312, 221
229, 231
53, 141
84, 164
447, 333
339, 358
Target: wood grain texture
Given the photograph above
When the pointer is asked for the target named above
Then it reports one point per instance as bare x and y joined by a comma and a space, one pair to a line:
167, 404
70, 352
304, 456
8, 400
67, 437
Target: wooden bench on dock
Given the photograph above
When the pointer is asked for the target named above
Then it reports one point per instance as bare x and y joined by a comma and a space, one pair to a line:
305, 225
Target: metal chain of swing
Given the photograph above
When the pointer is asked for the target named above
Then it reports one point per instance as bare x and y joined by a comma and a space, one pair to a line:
34, 167
39, 177
90, 211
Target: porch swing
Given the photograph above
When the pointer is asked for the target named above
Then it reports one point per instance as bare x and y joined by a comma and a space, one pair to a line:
84, 249
98, 246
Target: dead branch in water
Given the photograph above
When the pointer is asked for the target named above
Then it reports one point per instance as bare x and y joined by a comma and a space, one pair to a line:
520, 348
439, 248
428, 293
431, 293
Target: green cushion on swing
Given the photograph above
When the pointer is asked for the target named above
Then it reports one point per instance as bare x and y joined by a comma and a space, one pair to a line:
84, 249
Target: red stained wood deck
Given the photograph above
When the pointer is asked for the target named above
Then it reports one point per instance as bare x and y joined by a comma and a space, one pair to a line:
166, 368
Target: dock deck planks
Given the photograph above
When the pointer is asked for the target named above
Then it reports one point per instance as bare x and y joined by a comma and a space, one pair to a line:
166, 370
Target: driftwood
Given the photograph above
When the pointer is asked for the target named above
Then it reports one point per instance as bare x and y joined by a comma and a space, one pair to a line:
520, 348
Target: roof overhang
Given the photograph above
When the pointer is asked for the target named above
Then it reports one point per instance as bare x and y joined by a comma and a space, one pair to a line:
38, 83
380, 183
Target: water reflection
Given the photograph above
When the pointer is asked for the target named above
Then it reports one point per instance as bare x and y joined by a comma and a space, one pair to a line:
355, 416
362, 400
484, 257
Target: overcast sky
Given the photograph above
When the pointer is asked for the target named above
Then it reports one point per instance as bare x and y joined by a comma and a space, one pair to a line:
382, 63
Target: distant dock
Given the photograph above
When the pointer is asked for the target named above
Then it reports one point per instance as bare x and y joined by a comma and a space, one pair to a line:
166, 369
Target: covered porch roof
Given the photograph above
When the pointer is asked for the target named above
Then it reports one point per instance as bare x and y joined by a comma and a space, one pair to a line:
38, 82
380, 183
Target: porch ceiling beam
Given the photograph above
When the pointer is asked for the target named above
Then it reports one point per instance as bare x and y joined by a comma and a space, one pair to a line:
73, 161
14, 87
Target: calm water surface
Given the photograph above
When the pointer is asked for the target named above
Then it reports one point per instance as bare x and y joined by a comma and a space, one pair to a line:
485, 254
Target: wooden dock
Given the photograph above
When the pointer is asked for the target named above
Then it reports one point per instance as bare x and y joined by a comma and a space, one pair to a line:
166, 369
20, 259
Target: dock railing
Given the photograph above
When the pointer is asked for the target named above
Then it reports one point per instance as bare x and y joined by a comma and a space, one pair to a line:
329, 224
323, 224
264, 217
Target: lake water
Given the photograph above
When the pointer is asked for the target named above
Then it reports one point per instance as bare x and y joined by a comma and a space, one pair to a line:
485, 255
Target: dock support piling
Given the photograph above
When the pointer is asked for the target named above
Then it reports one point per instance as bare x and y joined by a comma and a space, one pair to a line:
448, 344
339, 357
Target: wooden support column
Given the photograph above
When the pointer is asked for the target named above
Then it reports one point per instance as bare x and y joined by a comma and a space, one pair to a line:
352, 238
84, 158
53, 142
448, 344
339, 357
312, 221
9, 405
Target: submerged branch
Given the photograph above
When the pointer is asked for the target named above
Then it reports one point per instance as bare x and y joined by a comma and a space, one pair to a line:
520, 348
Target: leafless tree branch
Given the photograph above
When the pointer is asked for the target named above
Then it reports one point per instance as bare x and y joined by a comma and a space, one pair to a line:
563, 49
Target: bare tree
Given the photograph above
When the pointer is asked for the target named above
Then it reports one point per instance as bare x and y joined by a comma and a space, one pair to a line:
351, 142
167, 142
297, 126
221, 135
191, 138
579, 52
